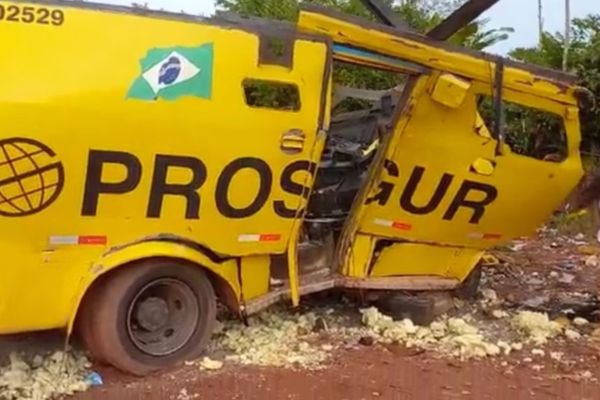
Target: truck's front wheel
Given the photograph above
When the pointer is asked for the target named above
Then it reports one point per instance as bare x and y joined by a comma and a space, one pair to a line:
150, 315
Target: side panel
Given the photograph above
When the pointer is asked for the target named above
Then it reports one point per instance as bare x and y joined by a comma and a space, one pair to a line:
422, 260
440, 195
116, 127
443, 183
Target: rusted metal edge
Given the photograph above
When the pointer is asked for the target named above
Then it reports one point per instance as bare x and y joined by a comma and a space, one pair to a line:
401, 283
411, 283
460, 18
558, 77
254, 306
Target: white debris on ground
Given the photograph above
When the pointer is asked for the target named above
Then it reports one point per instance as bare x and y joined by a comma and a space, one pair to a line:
274, 339
452, 336
536, 327
578, 321
280, 339
591, 261
43, 378
210, 365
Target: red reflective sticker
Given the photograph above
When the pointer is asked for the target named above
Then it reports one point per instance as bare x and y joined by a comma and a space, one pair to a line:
273, 237
93, 240
403, 226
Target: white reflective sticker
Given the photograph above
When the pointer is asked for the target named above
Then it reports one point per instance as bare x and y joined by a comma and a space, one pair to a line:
63, 240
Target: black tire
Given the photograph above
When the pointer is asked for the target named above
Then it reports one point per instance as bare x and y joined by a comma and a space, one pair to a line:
110, 335
85, 328
470, 286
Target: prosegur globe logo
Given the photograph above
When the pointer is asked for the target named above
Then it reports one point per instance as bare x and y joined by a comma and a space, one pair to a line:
31, 177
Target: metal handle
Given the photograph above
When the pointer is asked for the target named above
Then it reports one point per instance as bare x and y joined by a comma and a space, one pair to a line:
292, 141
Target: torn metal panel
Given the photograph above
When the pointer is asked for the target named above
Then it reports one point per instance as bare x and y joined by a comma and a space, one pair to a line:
376, 60
419, 49
401, 283
324, 20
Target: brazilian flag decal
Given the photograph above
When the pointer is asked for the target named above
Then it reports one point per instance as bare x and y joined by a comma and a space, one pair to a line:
170, 73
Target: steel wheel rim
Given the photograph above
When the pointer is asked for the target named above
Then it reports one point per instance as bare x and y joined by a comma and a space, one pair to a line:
162, 317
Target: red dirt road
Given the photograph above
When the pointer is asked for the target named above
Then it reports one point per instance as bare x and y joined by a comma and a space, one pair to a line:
363, 373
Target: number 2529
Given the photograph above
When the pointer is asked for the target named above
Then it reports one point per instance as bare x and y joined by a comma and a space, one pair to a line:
31, 15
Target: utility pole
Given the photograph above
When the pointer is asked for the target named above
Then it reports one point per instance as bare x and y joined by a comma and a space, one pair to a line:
567, 43
540, 21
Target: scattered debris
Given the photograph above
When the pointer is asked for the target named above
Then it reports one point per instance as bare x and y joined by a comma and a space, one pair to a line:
489, 295
489, 260
588, 250
183, 395
274, 339
587, 375
572, 335
209, 364
320, 325
578, 321
58, 374
536, 302
499, 314
591, 261
538, 352
94, 379
453, 336
566, 278
518, 246
537, 327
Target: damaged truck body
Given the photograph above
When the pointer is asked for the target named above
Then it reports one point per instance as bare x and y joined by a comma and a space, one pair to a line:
152, 164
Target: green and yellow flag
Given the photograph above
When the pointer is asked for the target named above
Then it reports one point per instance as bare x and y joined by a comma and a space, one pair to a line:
170, 73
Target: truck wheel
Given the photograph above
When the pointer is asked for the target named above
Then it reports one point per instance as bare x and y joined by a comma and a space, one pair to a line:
85, 327
150, 315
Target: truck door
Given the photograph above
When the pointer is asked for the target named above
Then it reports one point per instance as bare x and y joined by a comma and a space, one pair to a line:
448, 189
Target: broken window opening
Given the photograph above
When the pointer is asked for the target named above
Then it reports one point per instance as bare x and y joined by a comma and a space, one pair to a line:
275, 95
354, 79
528, 131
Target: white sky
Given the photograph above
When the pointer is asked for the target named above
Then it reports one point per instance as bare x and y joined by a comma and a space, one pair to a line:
519, 14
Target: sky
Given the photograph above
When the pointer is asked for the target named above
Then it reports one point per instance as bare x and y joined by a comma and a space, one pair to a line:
518, 14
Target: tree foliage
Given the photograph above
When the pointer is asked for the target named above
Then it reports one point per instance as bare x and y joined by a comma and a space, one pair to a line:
584, 60
421, 15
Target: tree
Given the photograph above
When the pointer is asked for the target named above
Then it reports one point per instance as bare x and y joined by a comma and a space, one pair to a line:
583, 60
421, 15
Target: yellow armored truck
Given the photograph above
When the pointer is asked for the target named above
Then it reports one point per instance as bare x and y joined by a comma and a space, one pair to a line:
153, 164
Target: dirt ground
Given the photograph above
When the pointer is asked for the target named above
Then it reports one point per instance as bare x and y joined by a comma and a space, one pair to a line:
364, 373
549, 273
